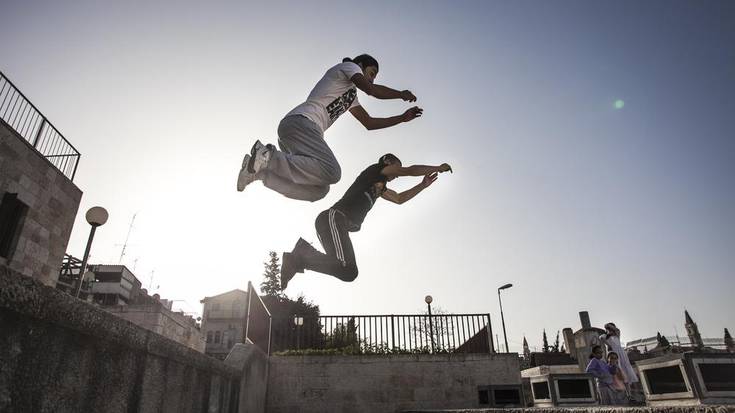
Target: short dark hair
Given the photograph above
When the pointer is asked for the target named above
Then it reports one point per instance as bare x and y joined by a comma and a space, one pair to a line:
388, 157
364, 59
612, 353
595, 347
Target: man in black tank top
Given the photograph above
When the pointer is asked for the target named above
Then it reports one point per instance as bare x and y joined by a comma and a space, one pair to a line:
347, 215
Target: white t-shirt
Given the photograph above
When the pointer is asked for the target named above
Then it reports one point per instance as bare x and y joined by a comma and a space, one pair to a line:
332, 96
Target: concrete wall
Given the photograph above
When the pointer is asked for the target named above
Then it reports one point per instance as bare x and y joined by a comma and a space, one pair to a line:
384, 383
157, 318
52, 201
253, 363
59, 354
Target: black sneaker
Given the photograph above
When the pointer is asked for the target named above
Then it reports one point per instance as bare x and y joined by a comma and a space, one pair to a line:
304, 249
289, 267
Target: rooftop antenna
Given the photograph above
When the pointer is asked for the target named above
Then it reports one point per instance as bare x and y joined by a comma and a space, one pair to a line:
678, 340
125, 245
150, 282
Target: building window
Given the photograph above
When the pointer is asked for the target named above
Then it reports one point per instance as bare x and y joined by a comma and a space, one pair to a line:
217, 337
215, 307
12, 215
209, 336
483, 396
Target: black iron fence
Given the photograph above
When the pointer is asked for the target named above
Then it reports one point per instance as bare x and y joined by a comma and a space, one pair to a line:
383, 334
20, 114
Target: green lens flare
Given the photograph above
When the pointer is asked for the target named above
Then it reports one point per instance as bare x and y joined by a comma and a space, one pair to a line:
619, 104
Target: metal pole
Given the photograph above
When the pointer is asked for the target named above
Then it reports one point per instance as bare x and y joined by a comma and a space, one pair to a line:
38, 134
247, 314
431, 329
489, 335
503, 321
298, 338
84, 260
270, 329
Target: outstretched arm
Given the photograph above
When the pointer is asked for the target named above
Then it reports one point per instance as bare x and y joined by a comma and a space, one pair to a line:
594, 368
393, 171
371, 123
380, 91
404, 196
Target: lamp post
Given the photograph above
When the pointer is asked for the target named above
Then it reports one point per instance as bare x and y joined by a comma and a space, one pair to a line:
501, 313
96, 216
298, 322
428, 301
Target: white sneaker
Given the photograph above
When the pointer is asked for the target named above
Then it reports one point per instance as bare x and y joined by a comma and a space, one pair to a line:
245, 177
253, 162
259, 156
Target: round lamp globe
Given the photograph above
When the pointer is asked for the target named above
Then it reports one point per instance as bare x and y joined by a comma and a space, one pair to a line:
97, 216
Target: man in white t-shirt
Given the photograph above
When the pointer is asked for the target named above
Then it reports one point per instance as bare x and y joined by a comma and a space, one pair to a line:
305, 166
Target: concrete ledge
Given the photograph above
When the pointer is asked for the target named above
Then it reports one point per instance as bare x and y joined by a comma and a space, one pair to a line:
27, 297
394, 358
59, 354
599, 409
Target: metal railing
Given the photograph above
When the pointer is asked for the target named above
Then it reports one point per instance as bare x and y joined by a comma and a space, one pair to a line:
384, 334
21, 115
257, 321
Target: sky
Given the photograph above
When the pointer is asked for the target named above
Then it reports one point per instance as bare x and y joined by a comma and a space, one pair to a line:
593, 145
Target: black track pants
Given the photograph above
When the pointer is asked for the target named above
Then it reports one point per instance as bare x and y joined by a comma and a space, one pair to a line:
339, 260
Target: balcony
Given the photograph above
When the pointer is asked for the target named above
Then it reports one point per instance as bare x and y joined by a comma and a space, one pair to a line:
28, 122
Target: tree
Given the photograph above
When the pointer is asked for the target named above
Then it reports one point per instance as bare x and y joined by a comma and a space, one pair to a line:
555, 348
344, 335
546, 343
285, 334
442, 327
271, 285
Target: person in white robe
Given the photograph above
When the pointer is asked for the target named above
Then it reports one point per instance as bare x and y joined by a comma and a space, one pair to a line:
612, 339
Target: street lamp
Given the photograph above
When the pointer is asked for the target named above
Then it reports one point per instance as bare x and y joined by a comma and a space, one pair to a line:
96, 216
428, 301
501, 314
298, 322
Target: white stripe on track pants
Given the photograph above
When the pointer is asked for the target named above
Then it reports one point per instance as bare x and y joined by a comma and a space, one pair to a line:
339, 260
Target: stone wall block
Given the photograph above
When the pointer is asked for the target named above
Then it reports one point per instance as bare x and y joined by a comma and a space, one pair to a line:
384, 383
52, 200
60, 354
153, 387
